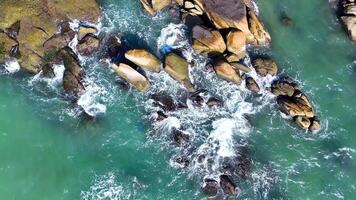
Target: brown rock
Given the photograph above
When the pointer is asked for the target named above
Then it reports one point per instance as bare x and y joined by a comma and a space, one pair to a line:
293, 107
261, 36
240, 67
236, 43
315, 125
88, 45
302, 122
144, 59
207, 41
225, 71
265, 66
140, 82
177, 68
283, 88
252, 85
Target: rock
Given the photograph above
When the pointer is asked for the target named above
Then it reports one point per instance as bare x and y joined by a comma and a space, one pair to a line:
286, 21
240, 67
165, 101
144, 59
61, 39
302, 122
227, 185
114, 45
284, 87
152, 6
72, 78
182, 161
207, 41
39, 23
226, 14
252, 85
161, 116
300, 97
6, 44
348, 17
314, 125
210, 187
236, 43
139, 81
265, 66
88, 45
225, 71
261, 36
177, 68
86, 30
244, 163
179, 137
294, 107
214, 102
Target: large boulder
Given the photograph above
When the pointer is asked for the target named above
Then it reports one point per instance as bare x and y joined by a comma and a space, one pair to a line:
227, 185
227, 14
265, 66
236, 43
144, 59
178, 68
206, 41
225, 71
295, 107
38, 20
139, 81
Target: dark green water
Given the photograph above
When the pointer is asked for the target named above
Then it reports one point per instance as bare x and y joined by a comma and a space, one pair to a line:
47, 153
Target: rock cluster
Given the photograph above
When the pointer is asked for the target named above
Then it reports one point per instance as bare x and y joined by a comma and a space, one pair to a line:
348, 17
294, 103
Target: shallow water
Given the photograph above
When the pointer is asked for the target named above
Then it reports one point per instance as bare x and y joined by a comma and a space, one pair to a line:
48, 152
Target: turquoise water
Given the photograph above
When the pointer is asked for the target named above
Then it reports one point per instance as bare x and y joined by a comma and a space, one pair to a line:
48, 152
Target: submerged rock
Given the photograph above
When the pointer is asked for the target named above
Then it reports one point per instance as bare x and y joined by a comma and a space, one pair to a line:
144, 59
139, 81
210, 187
179, 137
227, 185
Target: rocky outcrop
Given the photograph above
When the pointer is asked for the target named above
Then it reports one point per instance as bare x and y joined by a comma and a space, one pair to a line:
7, 44
177, 68
295, 104
348, 17
144, 59
139, 81
236, 43
39, 21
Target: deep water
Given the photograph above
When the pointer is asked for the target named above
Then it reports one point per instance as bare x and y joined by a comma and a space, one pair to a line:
47, 151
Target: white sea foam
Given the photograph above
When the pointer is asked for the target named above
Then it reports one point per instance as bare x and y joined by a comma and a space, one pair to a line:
11, 65
89, 101
104, 188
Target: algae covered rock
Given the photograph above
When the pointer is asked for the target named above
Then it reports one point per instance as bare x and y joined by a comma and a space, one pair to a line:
38, 21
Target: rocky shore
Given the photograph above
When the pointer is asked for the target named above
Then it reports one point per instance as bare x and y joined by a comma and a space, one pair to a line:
223, 31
